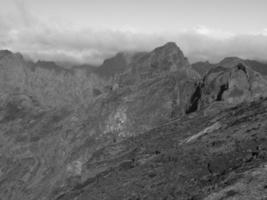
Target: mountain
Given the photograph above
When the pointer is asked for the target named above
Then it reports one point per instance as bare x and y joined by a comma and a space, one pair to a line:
51, 84
204, 67
55, 155
150, 128
146, 95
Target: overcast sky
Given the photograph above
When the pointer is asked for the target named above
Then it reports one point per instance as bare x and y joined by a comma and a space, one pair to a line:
91, 30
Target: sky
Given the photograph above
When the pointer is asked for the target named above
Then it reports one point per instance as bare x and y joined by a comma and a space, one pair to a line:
88, 31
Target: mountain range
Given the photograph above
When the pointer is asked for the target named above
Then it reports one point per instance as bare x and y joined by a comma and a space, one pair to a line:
146, 125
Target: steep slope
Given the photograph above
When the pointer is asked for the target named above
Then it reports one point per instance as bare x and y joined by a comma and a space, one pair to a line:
163, 60
54, 154
214, 157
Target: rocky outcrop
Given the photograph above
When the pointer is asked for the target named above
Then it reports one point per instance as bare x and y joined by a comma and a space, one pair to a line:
224, 84
203, 67
232, 83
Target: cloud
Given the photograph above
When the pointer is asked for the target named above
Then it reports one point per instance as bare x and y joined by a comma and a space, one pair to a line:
208, 47
48, 39
264, 32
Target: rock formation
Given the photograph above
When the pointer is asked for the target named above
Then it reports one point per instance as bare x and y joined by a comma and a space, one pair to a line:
231, 83
157, 87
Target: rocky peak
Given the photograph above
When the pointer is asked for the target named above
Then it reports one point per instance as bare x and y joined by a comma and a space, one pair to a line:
168, 57
162, 60
169, 48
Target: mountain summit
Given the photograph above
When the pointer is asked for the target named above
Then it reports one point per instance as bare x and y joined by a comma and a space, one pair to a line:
171, 56
159, 62
166, 58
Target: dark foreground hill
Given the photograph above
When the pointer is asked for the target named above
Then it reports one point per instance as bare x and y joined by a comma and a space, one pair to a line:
213, 157
161, 131
53, 155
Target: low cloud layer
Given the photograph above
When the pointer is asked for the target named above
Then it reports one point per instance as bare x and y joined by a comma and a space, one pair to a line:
64, 42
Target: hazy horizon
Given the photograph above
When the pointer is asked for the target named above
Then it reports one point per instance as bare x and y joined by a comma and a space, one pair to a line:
89, 31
